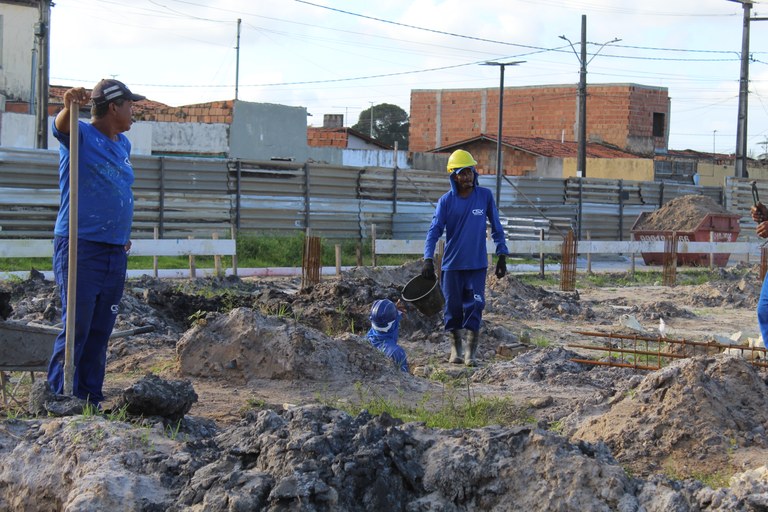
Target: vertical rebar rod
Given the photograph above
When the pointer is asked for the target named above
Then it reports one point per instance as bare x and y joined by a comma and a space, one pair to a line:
310, 261
568, 263
670, 259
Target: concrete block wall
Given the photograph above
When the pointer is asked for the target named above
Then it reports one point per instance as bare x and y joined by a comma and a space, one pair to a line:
619, 114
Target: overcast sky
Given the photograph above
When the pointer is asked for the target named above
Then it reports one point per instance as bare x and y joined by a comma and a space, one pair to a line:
339, 57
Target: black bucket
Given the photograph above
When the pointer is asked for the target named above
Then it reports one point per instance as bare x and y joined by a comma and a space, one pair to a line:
425, 294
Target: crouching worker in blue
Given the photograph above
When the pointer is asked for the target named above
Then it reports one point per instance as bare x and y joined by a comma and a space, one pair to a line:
462, 213
385, 323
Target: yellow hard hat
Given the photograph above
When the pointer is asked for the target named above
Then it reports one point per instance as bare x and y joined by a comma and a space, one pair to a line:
460, 159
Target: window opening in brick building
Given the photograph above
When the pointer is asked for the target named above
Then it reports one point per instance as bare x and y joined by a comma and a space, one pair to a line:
658, 124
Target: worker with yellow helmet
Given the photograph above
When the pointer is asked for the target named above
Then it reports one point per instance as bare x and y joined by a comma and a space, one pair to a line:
462, 213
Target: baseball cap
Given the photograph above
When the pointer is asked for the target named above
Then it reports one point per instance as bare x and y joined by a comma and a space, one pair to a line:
109, 89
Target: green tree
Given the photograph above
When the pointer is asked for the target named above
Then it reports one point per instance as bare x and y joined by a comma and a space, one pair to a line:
390, 124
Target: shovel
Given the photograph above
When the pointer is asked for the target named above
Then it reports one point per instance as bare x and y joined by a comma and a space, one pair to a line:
69, 346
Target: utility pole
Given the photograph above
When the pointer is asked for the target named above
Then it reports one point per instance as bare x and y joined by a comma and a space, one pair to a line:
237, 64
581, 160
370, 133
501, 66
581, 157
42, 35
741, 121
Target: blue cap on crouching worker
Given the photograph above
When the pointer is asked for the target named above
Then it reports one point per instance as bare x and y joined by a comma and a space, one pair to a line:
109, 89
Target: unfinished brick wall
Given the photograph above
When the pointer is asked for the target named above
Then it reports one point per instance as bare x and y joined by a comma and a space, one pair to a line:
322, 137
516, 163
212, 112
619, 114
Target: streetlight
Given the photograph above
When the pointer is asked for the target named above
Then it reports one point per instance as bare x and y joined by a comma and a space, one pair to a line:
501, 65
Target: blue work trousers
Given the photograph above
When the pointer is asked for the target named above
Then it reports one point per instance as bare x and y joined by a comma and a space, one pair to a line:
464, 292
101, 272
762, 312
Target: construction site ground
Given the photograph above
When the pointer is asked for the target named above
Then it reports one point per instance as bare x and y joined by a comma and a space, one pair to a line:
268, 361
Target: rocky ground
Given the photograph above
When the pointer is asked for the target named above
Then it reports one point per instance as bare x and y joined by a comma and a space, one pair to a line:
266, 369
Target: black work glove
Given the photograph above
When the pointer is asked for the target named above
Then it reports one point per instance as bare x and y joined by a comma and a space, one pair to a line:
501, 266
428, 270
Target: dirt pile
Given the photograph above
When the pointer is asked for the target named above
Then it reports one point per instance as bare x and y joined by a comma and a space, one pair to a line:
251, 348
683, 213
713, 407
742, 294
315, 458
244, 346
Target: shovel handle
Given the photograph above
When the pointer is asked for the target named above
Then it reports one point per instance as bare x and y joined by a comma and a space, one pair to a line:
755, 195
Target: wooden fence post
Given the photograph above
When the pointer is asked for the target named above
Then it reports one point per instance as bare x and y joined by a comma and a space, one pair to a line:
192, 268
216, 259
373, 245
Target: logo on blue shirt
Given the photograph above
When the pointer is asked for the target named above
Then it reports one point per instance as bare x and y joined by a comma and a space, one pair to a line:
477, 211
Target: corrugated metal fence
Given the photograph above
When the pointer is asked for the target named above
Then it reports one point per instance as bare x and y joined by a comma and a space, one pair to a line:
197, 197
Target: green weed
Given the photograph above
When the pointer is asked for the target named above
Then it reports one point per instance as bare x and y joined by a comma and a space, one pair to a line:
173, 431
452, 413
197, 318
15, 413
90, 410
163, 366
715, 480
557, 427
119, 414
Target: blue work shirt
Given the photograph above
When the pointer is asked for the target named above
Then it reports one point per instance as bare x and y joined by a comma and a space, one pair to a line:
464, 222
105, 176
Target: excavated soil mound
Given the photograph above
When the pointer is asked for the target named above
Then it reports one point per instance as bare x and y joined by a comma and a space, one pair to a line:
714, 409
661, 309
742, 294
238, 337
513, 298
315, 458
683, 213
245, 345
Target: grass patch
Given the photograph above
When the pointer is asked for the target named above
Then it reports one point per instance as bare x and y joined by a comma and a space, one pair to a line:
453, 413
254, 250
685, 276
715, 480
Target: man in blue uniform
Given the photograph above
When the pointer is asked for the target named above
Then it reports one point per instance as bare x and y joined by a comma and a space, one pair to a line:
760, 216
462, 213
103, 230
385, 323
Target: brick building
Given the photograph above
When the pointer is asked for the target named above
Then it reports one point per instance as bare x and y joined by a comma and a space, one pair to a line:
149, 110
528, 156
632, 117
342, 138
